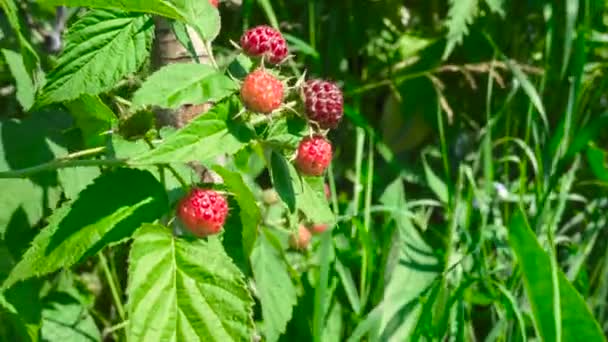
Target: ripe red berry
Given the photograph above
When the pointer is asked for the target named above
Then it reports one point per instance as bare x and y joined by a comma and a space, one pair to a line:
318, 228
265, 41
313, 156
301, 239
203, 212
215, 3
261, 92
324, 103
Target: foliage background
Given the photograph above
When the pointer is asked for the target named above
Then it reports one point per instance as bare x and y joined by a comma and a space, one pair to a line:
468, 181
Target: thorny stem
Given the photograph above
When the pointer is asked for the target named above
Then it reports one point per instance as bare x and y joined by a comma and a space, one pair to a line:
60, 164
71, 159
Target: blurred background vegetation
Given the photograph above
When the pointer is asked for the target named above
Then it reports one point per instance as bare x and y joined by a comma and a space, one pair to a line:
469, 124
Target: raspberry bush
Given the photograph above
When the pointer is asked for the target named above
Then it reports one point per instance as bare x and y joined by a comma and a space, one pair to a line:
174, 192
204, 170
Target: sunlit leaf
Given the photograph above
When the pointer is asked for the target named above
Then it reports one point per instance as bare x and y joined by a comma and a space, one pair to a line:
185, 290
108, 211
100, 49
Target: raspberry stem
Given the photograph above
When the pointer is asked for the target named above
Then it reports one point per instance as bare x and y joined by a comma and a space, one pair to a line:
175, 174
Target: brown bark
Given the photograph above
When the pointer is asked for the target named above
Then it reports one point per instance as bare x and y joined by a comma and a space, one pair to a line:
168, 50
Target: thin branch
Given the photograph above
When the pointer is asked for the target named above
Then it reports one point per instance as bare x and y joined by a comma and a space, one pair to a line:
60, 164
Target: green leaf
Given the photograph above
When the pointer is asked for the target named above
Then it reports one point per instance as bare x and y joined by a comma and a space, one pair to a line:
577, 321
274, 288
108, 211
204, 138
26, 143
249, 211
281, 179
496, 6
572, 8
101, 48
30, 57
530, 90
25, 86
183, 83
347, 281
12, 327
201, 15
240, 66
185, 290
161, 7
310, 197
286, 133
411, 270
24, 300
460, 15
597, 161
323, 293
184, 37
65, 319
435, 183
93, 118
334, 327
75, 179
302, 47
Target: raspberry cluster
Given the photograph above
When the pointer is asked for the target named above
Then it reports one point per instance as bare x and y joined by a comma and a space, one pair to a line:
204, 212
262, 92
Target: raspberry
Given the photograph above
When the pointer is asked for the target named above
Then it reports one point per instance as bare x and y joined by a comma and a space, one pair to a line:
314, 156
265, 41
261, 92
318, 228
215, 3
203, 212
324, 103
299, 240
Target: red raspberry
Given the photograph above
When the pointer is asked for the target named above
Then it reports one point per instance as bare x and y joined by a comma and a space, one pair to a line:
318, 228
314, 156
215, 3
324, 103
203, 212
265, 41
261, 92
301, 239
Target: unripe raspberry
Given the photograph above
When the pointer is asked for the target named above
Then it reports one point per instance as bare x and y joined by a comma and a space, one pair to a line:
261, 92
318, 228
203, 212
215, 3
324, 103
313, 156
301, 239
264, 41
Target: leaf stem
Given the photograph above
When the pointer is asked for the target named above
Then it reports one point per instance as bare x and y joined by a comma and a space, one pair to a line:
111, 282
